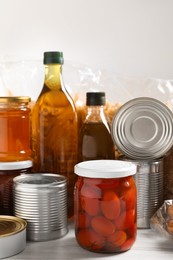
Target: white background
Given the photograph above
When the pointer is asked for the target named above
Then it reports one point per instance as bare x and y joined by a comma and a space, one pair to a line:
128, 37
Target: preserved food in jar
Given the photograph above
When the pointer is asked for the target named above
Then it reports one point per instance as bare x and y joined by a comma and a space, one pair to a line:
9, 170
15, 129
105, 205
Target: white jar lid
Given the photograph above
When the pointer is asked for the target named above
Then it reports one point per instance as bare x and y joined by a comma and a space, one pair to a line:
105, 169
19, 165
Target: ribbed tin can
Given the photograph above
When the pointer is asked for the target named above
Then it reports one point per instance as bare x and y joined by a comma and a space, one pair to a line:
41, 200
149, 183
143, 129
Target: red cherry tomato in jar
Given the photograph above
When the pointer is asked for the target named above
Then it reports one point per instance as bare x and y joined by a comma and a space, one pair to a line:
90, 200
110, 184
128, 194
83, 220
89, 239
110, 205
126, 219
102, 226
117, 239
128, 244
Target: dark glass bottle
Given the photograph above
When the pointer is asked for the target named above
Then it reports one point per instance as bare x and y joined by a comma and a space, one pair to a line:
55, 126
95, 140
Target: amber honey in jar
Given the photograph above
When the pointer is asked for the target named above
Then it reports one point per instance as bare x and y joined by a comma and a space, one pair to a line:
14, 129
105, 205
9, 170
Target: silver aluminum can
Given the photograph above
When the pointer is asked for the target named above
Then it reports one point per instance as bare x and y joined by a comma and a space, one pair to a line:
149, 183
143, 129
41, 200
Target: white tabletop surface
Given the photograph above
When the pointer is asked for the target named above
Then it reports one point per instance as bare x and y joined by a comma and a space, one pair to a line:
148, 245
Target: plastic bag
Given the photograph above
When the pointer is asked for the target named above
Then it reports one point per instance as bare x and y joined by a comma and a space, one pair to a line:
25, 76
162, 220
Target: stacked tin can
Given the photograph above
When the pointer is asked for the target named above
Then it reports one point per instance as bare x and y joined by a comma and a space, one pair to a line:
143, 132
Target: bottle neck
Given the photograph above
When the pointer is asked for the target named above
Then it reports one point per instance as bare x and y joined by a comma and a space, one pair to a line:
95, 114
53, 76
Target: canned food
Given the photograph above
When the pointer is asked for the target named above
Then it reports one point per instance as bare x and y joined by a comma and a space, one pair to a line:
149, 183
9, 170
41, 199
105, 205
143, 129
12, 236
15, 129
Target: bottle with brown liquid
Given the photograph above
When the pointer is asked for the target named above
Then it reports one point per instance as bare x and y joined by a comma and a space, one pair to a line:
95, 141
55, 126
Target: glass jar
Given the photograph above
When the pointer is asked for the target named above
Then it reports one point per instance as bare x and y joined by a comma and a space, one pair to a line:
15, 129
105, 205
9, 170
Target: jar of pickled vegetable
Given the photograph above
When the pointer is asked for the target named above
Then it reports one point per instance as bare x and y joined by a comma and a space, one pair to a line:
105, 205
14, 129
8, 171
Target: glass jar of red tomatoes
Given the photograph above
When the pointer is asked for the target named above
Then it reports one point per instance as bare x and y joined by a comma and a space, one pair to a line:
105, 205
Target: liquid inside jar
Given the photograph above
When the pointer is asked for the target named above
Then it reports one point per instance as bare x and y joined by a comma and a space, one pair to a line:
105, 213
14, 130
7, 172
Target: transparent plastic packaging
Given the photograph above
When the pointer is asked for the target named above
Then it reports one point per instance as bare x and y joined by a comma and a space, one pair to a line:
162, 220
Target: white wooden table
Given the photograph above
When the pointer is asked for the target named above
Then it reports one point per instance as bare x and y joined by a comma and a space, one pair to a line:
149, 245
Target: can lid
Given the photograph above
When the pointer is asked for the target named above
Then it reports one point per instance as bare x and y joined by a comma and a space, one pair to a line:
10, 225
105, 169
40, 180
143, 128
12, 235
15, 99
15, 165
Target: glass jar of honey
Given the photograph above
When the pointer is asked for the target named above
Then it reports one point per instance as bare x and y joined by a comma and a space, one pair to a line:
9, 170
105, 205
14, 129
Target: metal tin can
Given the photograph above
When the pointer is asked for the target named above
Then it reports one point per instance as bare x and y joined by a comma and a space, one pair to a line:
105, 205
15, 128
12, 236
149, 182
9, 170
41, 199
143, 129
